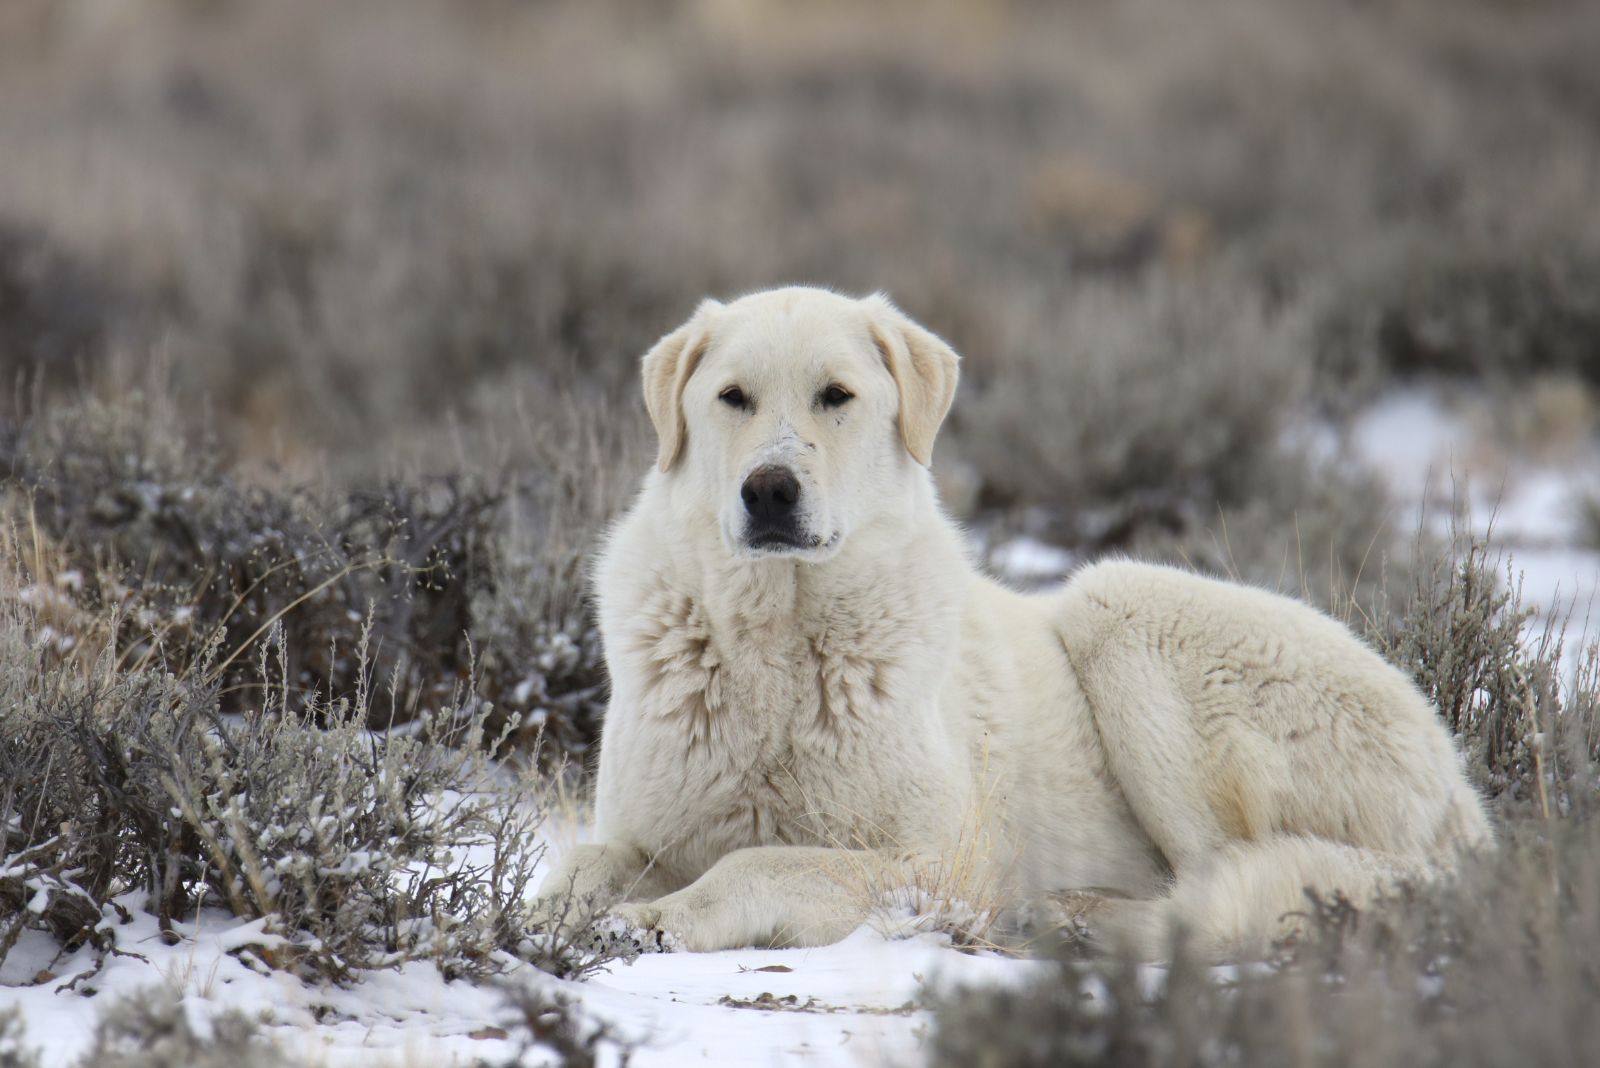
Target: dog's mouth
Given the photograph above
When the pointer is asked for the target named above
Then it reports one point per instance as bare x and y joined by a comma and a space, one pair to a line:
786, 542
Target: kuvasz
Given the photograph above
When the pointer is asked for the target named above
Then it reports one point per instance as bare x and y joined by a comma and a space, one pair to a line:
814, 691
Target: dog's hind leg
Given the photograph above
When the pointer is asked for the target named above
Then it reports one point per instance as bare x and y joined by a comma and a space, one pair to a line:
1263, 749
1246, 896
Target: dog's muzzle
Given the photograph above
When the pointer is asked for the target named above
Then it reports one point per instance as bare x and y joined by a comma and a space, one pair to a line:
771, 498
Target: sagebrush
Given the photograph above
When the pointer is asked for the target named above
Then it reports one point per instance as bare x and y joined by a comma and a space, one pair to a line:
129, 788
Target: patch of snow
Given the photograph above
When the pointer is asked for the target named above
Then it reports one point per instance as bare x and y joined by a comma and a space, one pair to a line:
1560, 585
1433, 461
1414, 443
1027, 560
856, 1001
1538, 506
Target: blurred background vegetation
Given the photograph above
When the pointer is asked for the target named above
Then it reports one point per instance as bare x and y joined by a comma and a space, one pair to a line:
339, 305
319, 323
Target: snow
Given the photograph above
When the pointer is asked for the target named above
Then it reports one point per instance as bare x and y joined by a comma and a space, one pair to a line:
1413, 442
857, 1001
1027, 560
1560, 581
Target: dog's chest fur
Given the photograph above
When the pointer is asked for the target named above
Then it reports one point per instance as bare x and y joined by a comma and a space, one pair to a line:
768, 710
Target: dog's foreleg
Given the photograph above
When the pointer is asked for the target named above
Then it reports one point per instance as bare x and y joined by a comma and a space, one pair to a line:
592, 877
769, 896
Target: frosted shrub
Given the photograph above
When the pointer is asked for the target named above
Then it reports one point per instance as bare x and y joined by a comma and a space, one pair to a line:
128, 789
1526, 708
150, 1029
175, 561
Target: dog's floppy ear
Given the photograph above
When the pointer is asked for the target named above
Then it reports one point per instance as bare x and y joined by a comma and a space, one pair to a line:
666, 369
923, 366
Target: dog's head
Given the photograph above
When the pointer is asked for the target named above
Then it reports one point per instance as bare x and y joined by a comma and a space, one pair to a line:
793, 414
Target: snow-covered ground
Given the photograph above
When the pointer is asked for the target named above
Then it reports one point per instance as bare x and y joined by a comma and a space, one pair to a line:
857, 1002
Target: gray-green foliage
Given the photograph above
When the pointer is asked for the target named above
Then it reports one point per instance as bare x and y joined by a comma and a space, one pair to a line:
151, 1029
1495, 316
1525, 707
129, 789
1173, 431
180, 560
551, 1020
13, 1052
1408, 180
1162, 397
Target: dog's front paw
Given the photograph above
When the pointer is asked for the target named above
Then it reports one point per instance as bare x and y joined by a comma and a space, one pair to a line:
630, 930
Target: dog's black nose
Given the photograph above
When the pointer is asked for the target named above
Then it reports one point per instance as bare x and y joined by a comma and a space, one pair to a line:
770, 494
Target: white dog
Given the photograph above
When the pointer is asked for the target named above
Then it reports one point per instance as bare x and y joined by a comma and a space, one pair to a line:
814, 691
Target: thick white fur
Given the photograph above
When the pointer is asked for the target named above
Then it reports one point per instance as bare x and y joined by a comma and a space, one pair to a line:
786, 729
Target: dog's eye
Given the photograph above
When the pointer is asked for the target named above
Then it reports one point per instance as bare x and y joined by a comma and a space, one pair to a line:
733, 397
834, 396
